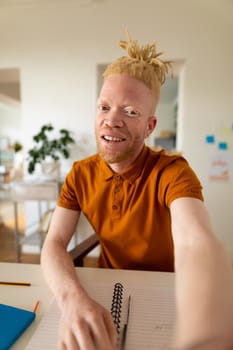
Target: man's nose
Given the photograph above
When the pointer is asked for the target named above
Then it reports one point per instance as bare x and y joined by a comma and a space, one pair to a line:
113, 119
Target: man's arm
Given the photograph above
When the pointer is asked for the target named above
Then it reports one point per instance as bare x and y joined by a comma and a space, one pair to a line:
204, 279
84, 323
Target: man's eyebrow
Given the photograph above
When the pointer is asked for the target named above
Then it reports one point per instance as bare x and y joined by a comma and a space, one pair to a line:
130, 105
101, 100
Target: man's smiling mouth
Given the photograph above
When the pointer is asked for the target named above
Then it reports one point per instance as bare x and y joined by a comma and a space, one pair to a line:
113, 138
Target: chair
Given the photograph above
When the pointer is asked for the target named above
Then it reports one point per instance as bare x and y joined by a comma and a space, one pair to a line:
39, 192
79, 252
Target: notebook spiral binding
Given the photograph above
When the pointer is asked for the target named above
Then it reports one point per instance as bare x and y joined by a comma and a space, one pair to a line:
116, 305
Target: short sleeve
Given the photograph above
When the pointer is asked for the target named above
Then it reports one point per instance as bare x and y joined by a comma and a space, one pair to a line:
68, 198
179, 180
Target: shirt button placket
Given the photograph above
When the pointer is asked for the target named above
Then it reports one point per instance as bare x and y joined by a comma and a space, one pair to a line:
116, 205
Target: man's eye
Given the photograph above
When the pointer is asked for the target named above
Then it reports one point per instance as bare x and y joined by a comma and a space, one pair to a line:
131, 112
103, 108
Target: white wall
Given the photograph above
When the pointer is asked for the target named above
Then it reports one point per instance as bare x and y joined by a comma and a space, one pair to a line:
58, 46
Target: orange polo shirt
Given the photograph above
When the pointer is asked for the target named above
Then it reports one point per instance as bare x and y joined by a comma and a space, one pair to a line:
130, 211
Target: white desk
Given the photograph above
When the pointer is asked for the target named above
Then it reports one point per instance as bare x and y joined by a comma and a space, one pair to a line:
26, 297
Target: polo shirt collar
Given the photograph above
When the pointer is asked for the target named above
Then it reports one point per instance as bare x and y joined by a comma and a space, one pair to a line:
131, 173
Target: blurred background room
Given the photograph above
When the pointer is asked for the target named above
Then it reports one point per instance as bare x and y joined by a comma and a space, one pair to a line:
52, 55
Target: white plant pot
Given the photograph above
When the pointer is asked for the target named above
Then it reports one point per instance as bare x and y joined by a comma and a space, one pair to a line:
50, 170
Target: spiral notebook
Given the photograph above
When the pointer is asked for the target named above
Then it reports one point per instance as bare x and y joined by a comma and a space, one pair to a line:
150, 321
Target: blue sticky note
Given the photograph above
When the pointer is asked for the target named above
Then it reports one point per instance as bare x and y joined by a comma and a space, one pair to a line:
222, 146
210, 139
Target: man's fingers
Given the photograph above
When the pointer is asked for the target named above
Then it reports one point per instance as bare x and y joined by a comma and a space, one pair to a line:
83, 336
102, 331
111, 328
68, 342
91, 329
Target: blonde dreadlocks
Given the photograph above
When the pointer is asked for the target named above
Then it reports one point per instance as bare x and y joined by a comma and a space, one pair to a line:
142, 63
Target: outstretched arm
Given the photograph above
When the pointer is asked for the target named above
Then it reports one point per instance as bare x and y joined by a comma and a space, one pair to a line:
84, 323
204, 280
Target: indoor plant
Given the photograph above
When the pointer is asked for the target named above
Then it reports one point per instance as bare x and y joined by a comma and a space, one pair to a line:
48, 148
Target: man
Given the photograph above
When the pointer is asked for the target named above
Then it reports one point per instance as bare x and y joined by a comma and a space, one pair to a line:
148, 211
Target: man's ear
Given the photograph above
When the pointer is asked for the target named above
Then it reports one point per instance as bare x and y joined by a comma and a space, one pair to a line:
151, 124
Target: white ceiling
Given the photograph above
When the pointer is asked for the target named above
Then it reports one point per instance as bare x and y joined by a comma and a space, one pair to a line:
41, 2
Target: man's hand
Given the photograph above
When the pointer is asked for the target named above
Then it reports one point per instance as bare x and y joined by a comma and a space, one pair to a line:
86, 325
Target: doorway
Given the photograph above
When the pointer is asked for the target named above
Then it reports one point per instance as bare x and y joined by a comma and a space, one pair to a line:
10, 99
10, 124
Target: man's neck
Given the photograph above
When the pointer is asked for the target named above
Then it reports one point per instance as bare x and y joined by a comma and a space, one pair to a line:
120, 167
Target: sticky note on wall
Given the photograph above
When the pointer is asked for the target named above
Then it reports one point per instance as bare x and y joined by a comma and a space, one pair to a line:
223, 146
210, 139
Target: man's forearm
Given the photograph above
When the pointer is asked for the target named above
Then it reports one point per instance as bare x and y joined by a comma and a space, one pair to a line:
208, 344
204, 287
59, 271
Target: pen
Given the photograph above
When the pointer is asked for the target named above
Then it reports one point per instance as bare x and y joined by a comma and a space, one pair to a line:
125, 325
25, 284
36, 306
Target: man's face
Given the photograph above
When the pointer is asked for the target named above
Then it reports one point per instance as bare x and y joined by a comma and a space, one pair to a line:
124, 119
